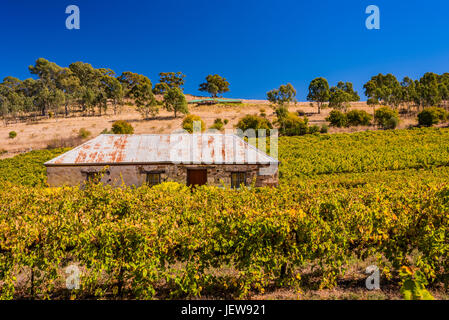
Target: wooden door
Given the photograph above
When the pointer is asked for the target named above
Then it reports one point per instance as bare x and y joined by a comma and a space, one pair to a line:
196, 177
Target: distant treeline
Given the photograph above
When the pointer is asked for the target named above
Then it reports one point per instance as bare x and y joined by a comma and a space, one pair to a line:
80, 88
85, 90
432, 90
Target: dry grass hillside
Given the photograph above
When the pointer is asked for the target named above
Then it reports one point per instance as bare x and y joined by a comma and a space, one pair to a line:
57, 132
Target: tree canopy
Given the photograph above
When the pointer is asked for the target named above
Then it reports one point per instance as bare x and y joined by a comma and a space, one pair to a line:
430, 90
215, 85
284, 95
78, 88
341, 95
319, 92
168, 80
175, 101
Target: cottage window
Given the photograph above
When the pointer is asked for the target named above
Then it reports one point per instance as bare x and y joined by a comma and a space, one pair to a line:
237, 179
92, 176
153, 179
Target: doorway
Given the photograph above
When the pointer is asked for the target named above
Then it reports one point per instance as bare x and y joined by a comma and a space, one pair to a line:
196, 177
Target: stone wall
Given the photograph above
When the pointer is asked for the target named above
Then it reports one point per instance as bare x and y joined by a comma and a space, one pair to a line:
136, 174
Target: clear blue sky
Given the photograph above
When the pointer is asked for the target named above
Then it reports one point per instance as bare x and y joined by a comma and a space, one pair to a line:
257, 45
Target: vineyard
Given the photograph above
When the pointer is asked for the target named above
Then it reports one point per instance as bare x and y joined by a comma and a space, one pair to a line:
364, 152
28, 169
380, 197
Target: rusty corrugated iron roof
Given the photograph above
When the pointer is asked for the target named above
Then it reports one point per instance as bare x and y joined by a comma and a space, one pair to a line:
206, 148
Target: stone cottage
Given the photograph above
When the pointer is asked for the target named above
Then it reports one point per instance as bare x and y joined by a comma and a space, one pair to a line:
193, 159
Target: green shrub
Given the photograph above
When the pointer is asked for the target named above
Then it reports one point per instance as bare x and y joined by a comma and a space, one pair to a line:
187, 123
324, 128
391, 123
106, 131
337, 119
281, 113
314, 129
83, 133
292, 125
386, 117
253, 122
359, 118
218, 124
225, 121
12, 134
122, 127
442, 114
430, 116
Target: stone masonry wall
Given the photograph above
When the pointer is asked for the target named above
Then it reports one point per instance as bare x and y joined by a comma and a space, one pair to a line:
136, 174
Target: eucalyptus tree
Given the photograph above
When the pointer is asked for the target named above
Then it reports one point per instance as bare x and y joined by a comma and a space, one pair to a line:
139, 88
92, 91
114, 92
444, 88
145, 100
430, 90
70, 85
129, 80
12, 100
175, 101
339, 99
215, 85
319, 92
48, 95
341, 95
168, 80
409, 94
383, 89
282, 96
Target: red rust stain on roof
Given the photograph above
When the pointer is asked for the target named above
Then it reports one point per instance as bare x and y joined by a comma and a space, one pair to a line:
118, 155
81, 157
98, 155
162, 140
200, 149
93, 156
100, 158
223, 151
